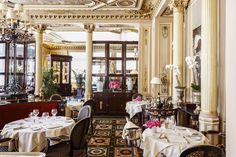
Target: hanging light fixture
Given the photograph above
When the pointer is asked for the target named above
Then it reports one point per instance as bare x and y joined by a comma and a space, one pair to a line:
15, 27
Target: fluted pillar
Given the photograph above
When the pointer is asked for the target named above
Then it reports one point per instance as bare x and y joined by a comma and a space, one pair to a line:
178, 54
208, 119
89, 28
39, 58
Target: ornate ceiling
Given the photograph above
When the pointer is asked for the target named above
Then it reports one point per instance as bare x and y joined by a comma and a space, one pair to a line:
44, 11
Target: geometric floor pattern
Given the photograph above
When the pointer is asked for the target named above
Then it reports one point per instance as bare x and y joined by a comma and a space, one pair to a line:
106, 140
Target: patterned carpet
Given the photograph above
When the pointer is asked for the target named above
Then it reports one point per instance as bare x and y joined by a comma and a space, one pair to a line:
107, 141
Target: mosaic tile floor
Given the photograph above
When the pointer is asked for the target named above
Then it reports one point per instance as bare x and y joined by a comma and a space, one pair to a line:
107, 141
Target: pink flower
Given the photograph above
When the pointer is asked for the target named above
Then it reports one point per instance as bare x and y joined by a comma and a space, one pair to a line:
114, 84
139, 98
152, 123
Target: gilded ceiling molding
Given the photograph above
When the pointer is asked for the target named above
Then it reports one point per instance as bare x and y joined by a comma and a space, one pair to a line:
79, 46
178, 5
90, 17
55, 46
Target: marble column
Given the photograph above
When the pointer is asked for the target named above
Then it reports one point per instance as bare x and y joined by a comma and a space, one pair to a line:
39, 58
208, 119
178, 34
89, 28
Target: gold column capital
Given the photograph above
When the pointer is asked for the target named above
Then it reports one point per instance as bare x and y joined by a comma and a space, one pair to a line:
40, 28
178, 5
89, 27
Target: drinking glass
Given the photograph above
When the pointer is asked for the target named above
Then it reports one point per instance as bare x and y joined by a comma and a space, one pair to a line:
36, 112
45, 114
54, 112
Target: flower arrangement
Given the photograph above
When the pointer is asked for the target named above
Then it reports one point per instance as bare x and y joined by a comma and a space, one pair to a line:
176, 71
152, 123
139, 98
115, 84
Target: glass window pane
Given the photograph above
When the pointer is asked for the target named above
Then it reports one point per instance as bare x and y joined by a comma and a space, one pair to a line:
56, 71
131, 65
115, 66
2, 65
115, 50
2, 49
65, 72
131, 50
2, 80
19, 50
30, 66
99, 66
98, 50
20, 66
31, 50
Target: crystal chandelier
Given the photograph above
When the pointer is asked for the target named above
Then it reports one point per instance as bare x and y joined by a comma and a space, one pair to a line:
15, 26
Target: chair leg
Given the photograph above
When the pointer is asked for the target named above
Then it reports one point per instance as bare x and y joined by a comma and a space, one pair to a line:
91, 123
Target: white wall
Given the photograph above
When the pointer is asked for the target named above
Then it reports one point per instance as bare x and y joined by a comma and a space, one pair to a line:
230, 78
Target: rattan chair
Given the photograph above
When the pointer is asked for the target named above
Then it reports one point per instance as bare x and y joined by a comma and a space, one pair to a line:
76, 145
203, 151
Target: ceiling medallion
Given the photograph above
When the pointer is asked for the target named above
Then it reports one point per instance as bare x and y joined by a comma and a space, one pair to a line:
125, 3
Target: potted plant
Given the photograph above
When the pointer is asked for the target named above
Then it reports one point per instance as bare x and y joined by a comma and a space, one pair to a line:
48, 86
196, 89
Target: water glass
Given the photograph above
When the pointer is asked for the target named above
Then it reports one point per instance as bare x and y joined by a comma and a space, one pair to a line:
35, 112
45, 114
54, 112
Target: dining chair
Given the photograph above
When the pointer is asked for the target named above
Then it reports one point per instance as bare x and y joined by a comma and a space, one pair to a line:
92, 104
7, 144
203, 151
55, 97
84, 112
61, 103
76, 143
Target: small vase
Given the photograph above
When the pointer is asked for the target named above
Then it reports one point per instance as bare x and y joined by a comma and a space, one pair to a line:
197, 97
99, 86
129, 84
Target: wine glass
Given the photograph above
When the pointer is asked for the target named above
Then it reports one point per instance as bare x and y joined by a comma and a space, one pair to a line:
36, 112
45, 114
54, 112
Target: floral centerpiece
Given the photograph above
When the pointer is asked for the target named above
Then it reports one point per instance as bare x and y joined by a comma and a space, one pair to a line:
139, 98
153, 123
115, 84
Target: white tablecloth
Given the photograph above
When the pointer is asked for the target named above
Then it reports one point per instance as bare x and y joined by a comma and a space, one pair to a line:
32, 135
73, 106
133, 107
171, 142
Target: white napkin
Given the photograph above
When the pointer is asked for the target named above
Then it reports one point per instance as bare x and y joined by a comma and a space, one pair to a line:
128, 125
176, 139
52, 126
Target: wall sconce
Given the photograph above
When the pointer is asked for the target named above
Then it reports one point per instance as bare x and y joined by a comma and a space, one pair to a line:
165, 31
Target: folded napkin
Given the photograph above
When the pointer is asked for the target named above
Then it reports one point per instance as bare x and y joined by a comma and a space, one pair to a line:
52, 126
35, 128
128, 125
176, 139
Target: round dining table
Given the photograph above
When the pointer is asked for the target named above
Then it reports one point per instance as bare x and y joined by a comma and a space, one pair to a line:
32, 133
170, 141
134, 107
